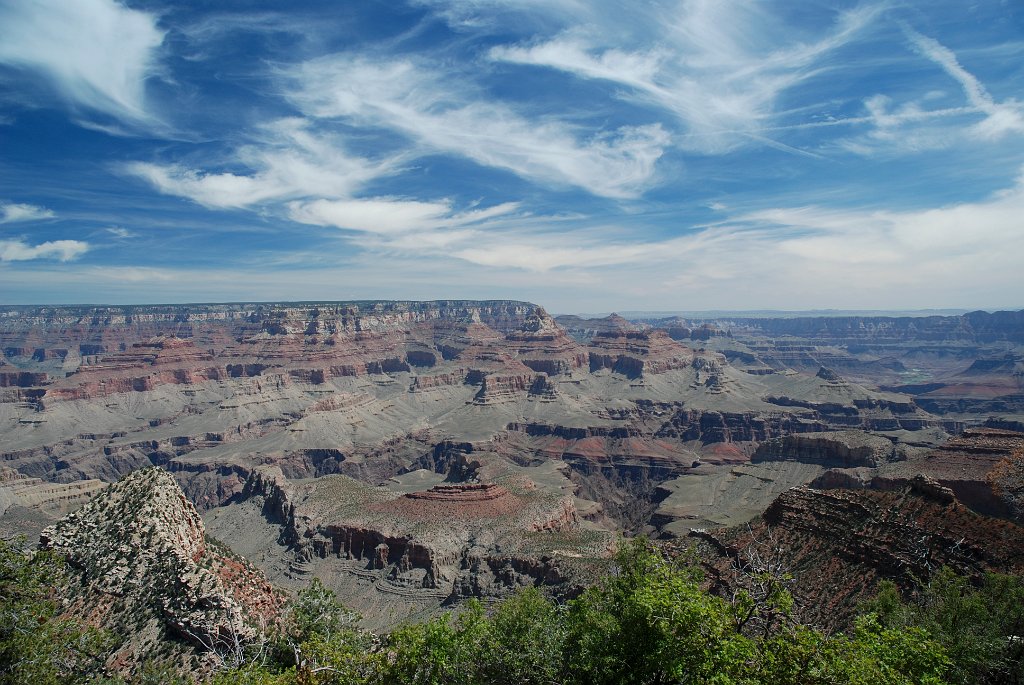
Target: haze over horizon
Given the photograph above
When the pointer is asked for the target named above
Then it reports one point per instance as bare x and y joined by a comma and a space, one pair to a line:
656, 156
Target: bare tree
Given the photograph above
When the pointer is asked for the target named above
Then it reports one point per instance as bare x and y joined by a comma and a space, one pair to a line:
760, 586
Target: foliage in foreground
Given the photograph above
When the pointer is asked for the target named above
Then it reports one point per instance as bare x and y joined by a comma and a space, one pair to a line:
648, 622
37, 645
981, 628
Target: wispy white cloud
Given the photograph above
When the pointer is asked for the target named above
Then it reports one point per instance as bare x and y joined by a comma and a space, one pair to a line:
390, 216
810, 256
120, 232
61, 250
216, 31
912, 127
494, 14
960, 254
1001, 118
440, 114
13, 212
719, 67
288, 161
96, 53
546, 253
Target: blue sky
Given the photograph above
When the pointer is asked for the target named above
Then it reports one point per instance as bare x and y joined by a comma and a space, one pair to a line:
589, 156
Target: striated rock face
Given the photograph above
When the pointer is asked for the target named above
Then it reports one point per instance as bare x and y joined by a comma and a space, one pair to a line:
840, 543
635, 353
27, 505
584, 330
141, 566
974, 327
144, 366
983, 467
836, 449
723, 426
187, 344
544, 346
827, 374
22, 379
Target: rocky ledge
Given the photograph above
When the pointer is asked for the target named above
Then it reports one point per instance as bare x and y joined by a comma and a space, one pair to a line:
983, 467
831, 448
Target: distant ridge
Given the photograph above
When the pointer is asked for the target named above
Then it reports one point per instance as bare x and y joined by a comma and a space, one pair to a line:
794, 314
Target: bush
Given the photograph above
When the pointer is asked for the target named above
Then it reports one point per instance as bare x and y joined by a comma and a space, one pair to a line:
981, 628
37, 645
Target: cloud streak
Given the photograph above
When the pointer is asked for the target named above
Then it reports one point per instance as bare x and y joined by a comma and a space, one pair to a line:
912, 127
287, 161
440, 114
1000, 118
719, 67
389, 216
97, 54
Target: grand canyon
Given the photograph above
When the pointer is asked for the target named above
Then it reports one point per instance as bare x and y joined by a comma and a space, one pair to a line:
413, 455
504, 342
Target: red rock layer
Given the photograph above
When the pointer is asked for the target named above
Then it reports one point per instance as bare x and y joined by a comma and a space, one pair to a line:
463, 501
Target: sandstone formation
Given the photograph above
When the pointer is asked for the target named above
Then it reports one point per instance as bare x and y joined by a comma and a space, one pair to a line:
983, 467
27, 505
637, 353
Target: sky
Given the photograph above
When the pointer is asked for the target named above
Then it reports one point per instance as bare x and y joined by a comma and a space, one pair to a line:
585, 155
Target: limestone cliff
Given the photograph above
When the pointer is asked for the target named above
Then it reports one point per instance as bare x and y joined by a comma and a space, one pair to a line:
832, 448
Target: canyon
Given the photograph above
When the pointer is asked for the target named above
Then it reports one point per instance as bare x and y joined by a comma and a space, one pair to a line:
415, 454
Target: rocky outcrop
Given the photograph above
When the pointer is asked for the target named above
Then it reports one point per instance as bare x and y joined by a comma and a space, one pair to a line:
496, 387
142, 567
635, 353
839, 543
722, 426
27, 505
982, 467
21, 379
842, 449
584, 330
311, 344
543, 346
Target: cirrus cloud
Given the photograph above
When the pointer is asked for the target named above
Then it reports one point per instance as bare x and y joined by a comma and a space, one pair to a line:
95, 53
444, 115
